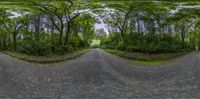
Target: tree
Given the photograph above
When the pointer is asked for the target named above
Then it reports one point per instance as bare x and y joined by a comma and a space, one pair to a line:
194, 36
86, 22
3, 34
100, 33
14, 26
183, 23
59, 12
36, 19
121, 21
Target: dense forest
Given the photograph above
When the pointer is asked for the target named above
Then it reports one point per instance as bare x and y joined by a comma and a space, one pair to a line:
41, 27
154, 27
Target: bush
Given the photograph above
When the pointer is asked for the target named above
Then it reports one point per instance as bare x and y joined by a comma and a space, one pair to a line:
95, 46
121, 46
63, 49
34, 48
138, 42
136, 48
74, 42
149, 48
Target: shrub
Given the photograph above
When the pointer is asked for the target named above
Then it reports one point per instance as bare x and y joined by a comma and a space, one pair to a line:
149, 43
63, 49
74, 42
95, 46
135, 48
121, 46
34, 48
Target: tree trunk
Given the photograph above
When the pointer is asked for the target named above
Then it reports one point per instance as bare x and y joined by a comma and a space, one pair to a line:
37, 36
37, 27
52, 39
60, 37
9, 41
138, 25
14, 41
67, 33
183, 40
4, 43
37, 33
122, 35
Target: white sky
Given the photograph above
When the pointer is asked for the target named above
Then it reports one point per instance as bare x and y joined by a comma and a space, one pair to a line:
15, 14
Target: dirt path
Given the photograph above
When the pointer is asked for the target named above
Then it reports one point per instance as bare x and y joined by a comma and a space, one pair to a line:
97, 75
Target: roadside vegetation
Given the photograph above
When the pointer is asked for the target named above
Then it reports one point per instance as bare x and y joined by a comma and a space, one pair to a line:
146, 58
165, 32
43, 28
51, 58
152, 31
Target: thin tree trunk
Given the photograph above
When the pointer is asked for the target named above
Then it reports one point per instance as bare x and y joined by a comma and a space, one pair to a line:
52, 38
182, 40
4, 43
9, 41
14, 41
138, 24
67, 33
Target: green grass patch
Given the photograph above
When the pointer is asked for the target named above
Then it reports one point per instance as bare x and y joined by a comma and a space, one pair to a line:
146, 59
51, 58
148, 62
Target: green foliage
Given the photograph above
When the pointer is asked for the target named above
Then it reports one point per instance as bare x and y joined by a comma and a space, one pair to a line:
95, 43
110, 41
63, 49
74, 42
34, 47
41, 48
195, 39
84, 29
78, 31
15, 33
138, 42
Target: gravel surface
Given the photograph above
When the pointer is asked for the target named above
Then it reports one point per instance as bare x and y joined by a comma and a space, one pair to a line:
98, 75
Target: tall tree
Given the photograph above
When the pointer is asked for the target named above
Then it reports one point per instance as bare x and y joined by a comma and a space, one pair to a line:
86, 22
183, 23
57, 13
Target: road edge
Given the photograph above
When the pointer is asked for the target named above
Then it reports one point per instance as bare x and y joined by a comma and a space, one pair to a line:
47, 59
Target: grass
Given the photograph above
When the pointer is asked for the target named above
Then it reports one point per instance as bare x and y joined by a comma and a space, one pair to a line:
46, 59
148, 62
146, 59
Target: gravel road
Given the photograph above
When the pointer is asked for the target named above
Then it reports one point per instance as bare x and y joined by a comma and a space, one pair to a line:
98, 75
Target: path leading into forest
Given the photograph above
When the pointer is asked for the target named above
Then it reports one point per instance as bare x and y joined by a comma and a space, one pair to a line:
97, 75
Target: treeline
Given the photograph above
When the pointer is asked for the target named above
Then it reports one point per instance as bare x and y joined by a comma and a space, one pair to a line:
146, 43
61, 27
152, 28
46, 28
